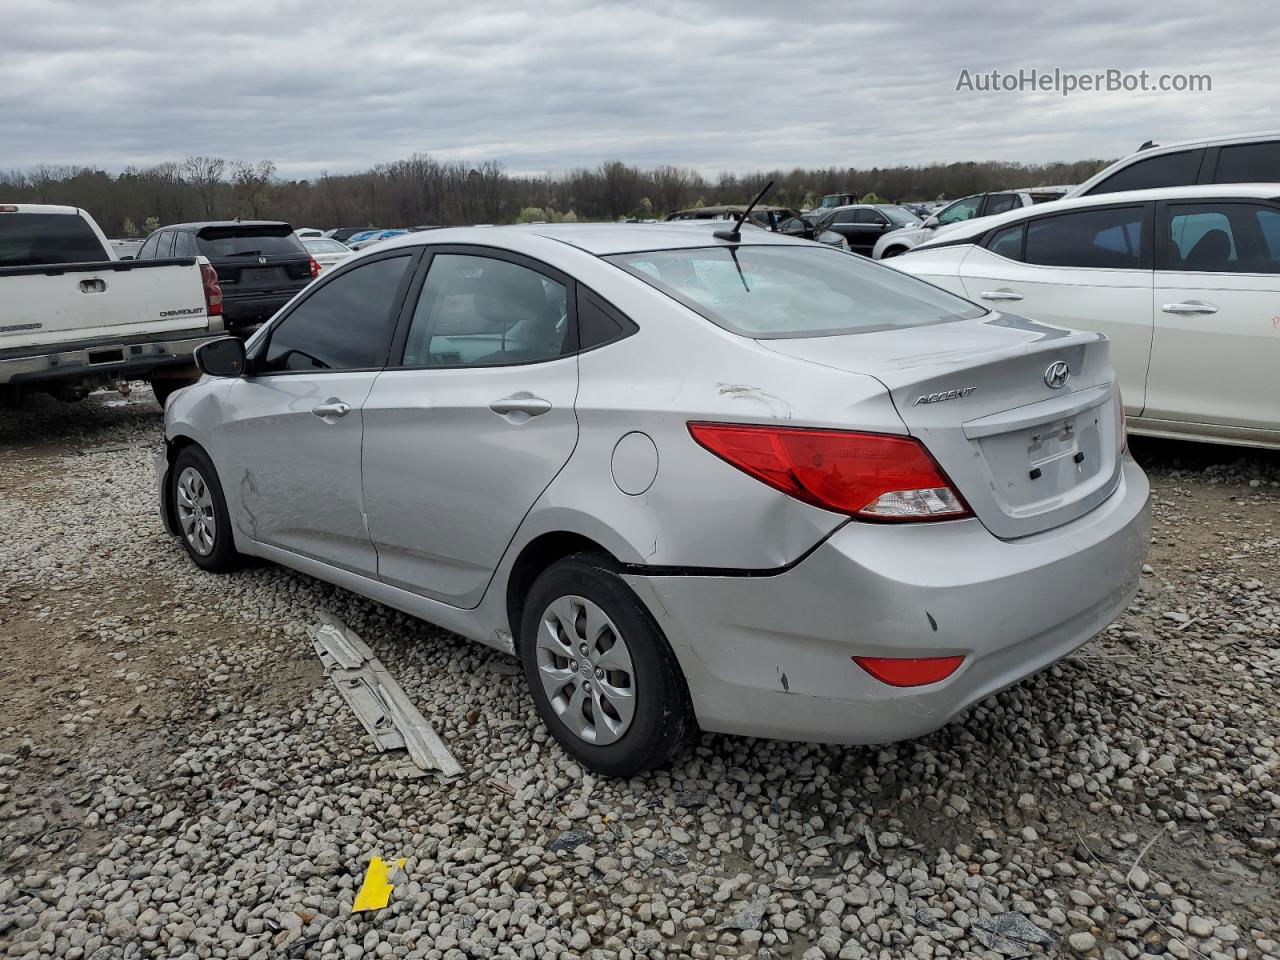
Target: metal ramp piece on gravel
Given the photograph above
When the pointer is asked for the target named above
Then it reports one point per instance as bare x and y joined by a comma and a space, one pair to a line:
383, 708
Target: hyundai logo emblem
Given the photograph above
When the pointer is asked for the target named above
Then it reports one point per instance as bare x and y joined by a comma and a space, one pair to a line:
1057, 374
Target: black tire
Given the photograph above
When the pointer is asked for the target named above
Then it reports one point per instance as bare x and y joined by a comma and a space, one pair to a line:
222, 557
663, 720
893, 252
162, 388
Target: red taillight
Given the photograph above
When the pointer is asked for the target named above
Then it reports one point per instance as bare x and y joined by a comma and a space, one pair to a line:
914, 672
212, 290
867, 475
315, 268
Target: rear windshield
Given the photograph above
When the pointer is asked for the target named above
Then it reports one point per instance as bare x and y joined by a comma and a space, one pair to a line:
218, 243
772, 292
33, 239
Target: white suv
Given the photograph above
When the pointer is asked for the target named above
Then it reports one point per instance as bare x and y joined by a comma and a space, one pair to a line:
959, 211
1184, 281
1246, 158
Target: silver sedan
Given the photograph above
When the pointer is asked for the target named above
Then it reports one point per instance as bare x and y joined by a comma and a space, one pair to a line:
747, 485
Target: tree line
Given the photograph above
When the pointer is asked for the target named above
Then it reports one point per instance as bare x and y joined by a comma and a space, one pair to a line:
421, 190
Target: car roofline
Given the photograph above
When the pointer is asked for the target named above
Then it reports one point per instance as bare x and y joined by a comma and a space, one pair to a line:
965, 232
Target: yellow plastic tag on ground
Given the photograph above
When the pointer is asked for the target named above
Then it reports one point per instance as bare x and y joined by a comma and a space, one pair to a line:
375, 891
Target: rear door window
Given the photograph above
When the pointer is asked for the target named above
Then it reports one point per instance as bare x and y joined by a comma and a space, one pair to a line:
1165, 170
1109, 238
1248, 163
33, 239
1001, 203
346, 324
1222, 238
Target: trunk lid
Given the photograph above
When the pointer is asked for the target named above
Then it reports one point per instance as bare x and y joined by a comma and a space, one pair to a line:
1026, 456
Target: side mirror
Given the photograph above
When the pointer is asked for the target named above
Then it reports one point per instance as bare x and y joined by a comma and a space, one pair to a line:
223, 357
930, 222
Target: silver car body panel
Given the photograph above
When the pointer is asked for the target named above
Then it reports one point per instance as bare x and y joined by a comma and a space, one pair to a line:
439, 464
780, 662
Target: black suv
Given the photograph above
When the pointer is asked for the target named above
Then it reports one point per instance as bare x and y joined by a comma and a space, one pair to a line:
261, 264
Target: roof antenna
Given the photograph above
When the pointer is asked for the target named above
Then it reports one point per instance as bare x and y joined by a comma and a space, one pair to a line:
735, 235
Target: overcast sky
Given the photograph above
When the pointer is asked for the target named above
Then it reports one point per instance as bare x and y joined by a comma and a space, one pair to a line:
739, 85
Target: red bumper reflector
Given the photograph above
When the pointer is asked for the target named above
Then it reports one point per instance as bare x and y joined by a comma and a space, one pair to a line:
899, 672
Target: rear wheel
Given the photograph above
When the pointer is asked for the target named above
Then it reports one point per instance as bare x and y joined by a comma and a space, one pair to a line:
201, 512
602, 675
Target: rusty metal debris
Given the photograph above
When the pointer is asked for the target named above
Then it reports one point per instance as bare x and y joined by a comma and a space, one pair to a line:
379, 703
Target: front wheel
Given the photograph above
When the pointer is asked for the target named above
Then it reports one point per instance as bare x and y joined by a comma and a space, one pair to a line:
201, 512
602, 675
892, 252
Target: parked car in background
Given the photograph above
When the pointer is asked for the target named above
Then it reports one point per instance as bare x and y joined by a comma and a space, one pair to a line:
833, 200
326, 252
1192, 315
370, 237
343, 234
972, 207
74, 318
747, 486
862, 224
303, 232
763, 215
261, 264
776, 219
1244, 158
127, 248
826, 237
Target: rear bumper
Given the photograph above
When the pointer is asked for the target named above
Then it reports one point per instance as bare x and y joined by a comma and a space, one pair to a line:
240, 308
770, 656
122, 359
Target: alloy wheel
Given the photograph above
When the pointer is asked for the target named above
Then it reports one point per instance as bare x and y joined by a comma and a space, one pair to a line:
586, 670
195, 511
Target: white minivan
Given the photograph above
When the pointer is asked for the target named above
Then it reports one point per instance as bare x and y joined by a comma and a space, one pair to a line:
1185, 281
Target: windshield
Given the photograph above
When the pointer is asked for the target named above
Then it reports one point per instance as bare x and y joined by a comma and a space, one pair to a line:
768, 292
218, 243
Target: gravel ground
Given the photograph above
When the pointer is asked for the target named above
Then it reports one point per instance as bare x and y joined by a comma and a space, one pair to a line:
177, 779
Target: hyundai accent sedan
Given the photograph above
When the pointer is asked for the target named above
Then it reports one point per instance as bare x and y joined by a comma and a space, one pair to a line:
749, 485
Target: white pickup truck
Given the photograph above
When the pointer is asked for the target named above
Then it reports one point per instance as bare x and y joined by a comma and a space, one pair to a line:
74, 318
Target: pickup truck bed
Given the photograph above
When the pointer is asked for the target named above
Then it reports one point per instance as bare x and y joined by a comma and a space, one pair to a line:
67, 328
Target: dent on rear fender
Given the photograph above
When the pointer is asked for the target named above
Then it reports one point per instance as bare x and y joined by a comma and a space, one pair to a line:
777, 407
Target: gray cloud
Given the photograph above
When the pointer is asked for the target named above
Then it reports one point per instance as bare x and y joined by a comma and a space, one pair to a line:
715, 85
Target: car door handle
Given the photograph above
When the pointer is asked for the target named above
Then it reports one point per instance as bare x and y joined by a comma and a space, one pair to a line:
521, 403
1190, 307
1000, 295
331, 409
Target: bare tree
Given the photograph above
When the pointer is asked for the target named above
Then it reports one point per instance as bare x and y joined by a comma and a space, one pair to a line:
205, 174
251, 183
